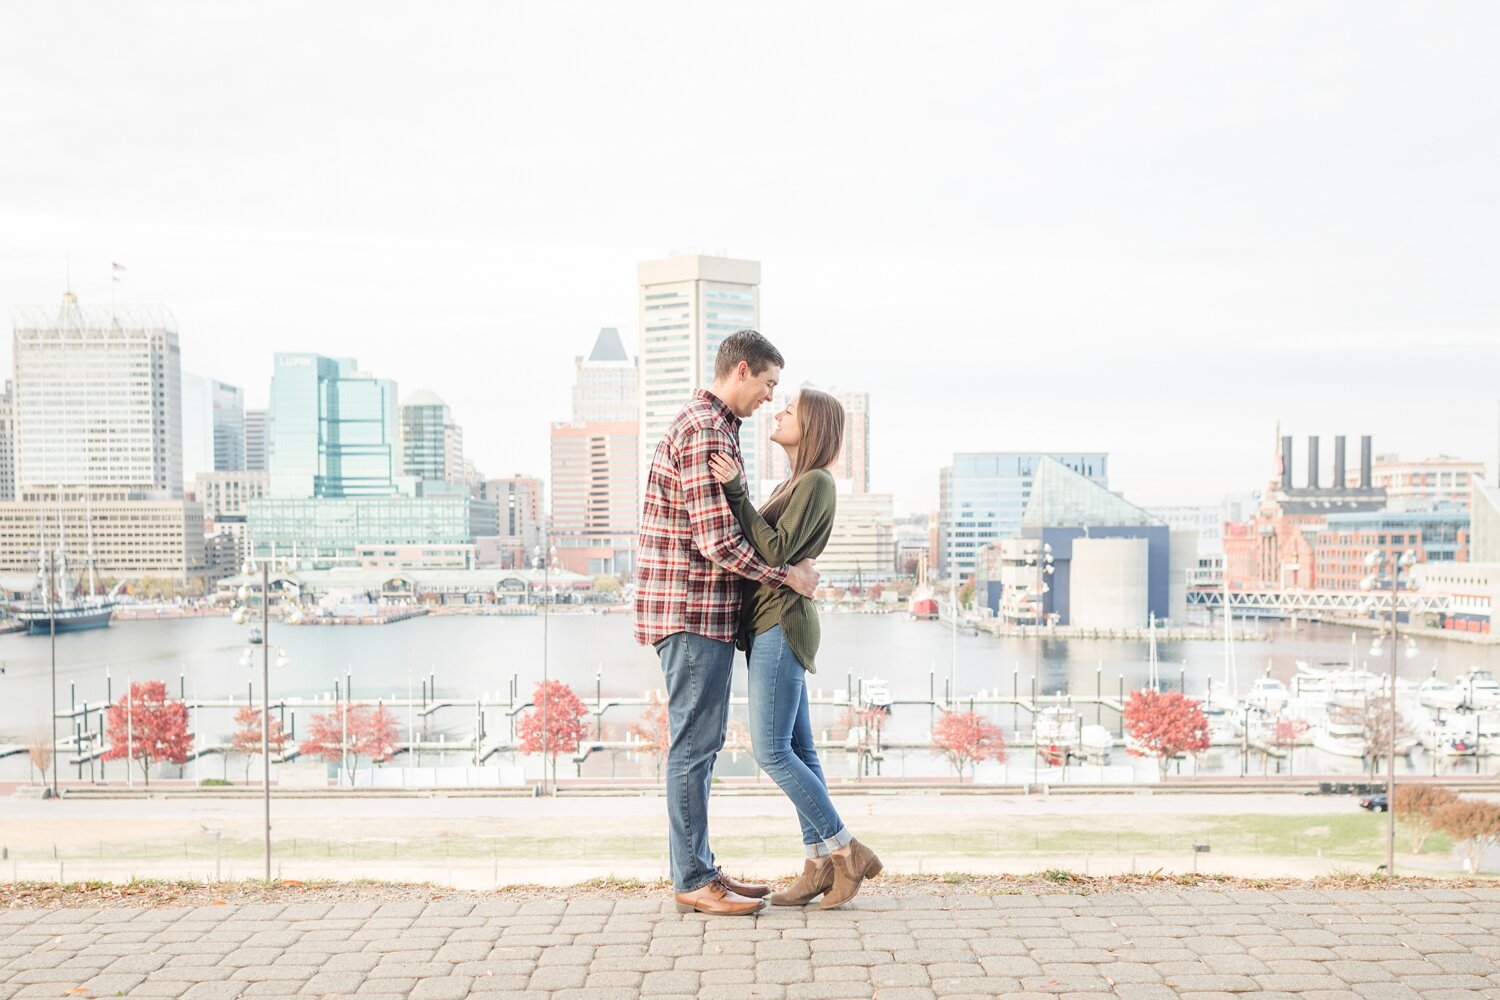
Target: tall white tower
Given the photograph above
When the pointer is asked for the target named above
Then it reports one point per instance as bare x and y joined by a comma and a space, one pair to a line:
98, 398
688, 305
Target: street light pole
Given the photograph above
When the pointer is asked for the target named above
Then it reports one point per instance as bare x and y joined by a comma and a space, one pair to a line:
1377, 561
52, 640
265, 699
1390, 776
544, 554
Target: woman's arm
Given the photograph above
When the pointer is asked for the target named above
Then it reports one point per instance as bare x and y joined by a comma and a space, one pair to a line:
809, 511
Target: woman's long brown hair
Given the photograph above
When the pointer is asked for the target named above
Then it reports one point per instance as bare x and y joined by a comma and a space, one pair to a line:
822, 420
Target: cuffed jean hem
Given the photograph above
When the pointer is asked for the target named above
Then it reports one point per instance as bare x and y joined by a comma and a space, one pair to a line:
840, 839
818, 850
711, 878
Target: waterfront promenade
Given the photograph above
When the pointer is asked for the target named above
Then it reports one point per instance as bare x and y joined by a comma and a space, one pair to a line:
1315, 941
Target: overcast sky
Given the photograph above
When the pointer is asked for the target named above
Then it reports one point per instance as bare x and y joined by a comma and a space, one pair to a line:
1154, 229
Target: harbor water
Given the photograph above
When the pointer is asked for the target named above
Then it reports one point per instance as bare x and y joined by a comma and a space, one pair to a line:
468, 657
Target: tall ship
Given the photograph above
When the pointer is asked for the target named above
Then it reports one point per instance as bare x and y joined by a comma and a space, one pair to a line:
75, 604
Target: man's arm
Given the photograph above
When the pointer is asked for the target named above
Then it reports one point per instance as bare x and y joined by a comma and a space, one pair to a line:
716, 532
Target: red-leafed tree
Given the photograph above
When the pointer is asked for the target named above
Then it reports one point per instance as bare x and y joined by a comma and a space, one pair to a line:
353, 730
1163, 724
555, 725
1286, 737
966, 738
147, 726
246, 737
653, 731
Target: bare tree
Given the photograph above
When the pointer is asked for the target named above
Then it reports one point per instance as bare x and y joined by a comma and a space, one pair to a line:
40, 749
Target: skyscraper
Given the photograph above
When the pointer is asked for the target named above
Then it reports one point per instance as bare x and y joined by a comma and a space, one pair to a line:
213, 427
519, 502
595, 463
98, 443
605, 383
256, 426
8, 443
688, 305
98, 398
333, 430
431, 443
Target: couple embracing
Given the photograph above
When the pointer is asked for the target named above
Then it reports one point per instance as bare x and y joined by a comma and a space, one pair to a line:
712, 572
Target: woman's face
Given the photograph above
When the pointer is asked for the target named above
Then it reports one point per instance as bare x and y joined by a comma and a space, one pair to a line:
788, 432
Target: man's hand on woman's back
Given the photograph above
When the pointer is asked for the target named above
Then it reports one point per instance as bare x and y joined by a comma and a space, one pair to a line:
803, 577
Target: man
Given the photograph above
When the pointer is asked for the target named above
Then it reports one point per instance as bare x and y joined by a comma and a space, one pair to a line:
689, 564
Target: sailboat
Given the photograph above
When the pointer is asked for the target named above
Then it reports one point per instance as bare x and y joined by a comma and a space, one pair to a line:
55, 604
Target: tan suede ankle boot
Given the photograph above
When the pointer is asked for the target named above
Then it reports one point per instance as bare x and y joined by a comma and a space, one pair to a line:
849, 873
816, 879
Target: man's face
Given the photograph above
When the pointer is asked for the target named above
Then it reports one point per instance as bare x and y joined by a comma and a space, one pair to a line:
750, 389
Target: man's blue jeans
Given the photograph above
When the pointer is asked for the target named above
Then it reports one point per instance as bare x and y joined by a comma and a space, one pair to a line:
698, 672
782, 738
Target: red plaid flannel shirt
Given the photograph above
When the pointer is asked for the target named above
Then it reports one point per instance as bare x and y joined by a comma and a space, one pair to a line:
693, 552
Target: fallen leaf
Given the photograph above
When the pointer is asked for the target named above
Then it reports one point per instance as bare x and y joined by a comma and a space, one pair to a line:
219, 902
75, 991
293, 881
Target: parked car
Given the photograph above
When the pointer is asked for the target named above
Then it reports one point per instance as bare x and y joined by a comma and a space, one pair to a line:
1374, 803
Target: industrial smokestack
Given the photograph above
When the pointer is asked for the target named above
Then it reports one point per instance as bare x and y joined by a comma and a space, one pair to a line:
1286, 462
1365, 477
1340, 479
1312, 462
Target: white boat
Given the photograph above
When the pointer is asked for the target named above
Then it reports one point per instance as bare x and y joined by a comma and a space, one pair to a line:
1453, 738
1310, 683
1479, 688
1262, 734
1486, 733
1269, 695
1351, 688
877, 693
1056, 733
1437, 693
1095, 744
1223, 726
1339, 744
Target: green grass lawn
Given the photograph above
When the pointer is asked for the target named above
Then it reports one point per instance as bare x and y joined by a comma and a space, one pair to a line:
1351, 835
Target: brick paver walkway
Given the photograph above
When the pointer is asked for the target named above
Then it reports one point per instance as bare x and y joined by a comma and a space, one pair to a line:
1399, 944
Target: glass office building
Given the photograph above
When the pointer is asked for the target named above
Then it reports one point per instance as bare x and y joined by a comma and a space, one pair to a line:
982, 496
333, 430
323, 532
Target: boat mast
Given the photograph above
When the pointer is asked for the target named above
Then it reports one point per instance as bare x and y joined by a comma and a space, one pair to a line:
1155, 676
1230, 681
88, 522
63, 579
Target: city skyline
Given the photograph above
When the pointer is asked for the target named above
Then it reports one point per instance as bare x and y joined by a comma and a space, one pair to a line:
1052, 243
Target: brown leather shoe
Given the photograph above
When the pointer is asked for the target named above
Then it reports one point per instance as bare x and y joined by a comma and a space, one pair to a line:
752, 889
816, 879
849, 873
716, 899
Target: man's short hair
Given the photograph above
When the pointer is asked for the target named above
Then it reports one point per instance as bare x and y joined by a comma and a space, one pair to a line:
749, 346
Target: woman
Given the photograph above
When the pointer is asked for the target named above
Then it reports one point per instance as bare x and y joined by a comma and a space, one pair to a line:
779, 628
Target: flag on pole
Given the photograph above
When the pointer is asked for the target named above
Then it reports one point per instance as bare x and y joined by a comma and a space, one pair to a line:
114, 270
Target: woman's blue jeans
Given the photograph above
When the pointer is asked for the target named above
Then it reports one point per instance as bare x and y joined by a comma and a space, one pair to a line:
782, 738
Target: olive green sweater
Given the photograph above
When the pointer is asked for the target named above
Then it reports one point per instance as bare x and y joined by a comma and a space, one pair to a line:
799, 533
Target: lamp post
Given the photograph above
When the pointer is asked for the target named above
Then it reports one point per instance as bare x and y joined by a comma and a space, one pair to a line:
1043, 563
543, 559
1386, 572
953, 659
240, 617
52, 640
